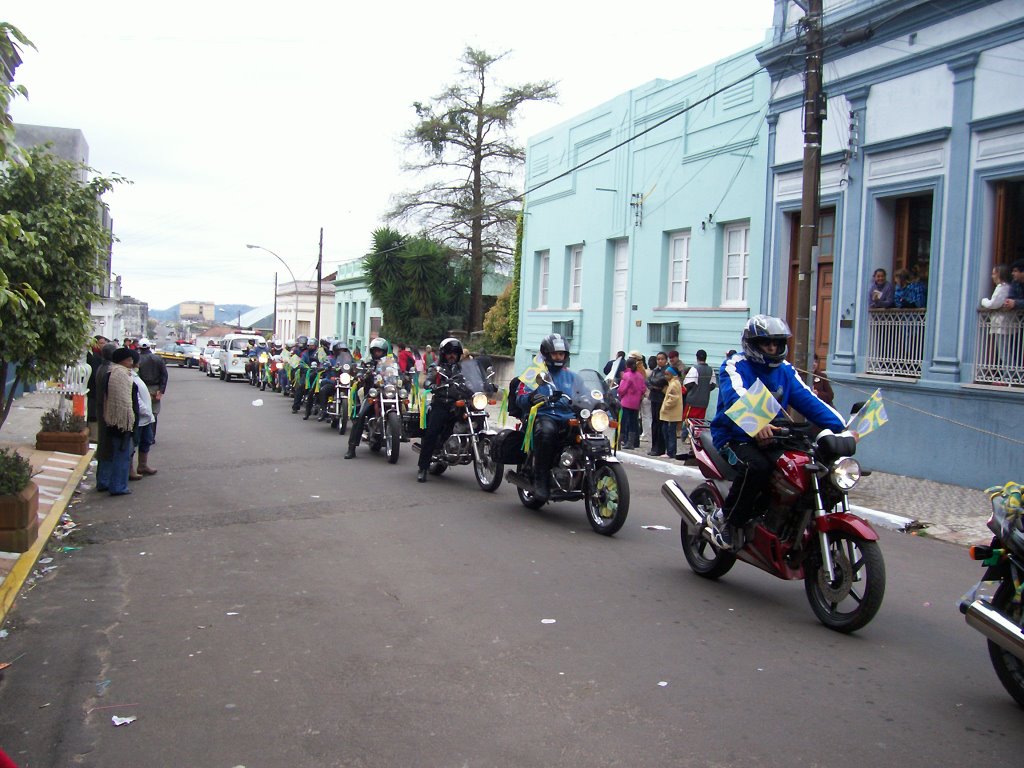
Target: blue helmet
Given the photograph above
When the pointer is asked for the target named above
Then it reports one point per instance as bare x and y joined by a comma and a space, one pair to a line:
761, 328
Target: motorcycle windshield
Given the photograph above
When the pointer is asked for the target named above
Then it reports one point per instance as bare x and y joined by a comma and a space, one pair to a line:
592, 390
475, 376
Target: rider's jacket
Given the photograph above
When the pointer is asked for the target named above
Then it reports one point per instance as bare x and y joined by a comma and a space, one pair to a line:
444, 390
738, 374
565, 381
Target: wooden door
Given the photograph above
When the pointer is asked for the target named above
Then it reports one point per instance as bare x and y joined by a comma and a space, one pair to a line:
823, 317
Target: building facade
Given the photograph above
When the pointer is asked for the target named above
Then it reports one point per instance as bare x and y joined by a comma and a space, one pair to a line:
653, 245
297, 309
356, 315
922, 176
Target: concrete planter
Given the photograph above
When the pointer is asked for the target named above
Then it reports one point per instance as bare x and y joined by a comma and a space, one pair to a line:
65, 442
19, 519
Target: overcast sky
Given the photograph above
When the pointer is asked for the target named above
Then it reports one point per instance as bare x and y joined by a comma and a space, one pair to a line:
259, 122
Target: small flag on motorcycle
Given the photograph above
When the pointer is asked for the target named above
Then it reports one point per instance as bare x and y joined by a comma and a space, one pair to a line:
755, 410
870, 417
529, 376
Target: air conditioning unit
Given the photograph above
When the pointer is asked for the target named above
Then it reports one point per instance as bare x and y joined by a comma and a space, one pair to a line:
663, 333
563, 327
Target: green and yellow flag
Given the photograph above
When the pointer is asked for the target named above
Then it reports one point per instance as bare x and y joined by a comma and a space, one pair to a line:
529, 376
870, 417
755, 410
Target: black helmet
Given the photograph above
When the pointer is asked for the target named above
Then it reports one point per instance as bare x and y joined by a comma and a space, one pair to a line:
301, 341
761, 328
451, 344
554, 343
380, 343
338, 346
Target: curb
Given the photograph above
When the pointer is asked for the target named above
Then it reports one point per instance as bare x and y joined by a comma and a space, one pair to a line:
12, 585
878, 517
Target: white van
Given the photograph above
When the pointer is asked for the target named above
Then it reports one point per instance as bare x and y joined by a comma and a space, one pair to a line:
232, 355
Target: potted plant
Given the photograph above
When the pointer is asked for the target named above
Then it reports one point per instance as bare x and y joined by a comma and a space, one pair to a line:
64, 432
19, 502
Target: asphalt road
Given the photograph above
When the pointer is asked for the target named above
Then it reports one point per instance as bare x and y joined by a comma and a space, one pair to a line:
261, 602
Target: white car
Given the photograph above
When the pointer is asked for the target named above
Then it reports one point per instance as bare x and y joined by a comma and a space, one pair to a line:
232, 354
209, 361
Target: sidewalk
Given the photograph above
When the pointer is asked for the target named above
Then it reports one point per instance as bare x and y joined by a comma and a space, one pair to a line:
56, 474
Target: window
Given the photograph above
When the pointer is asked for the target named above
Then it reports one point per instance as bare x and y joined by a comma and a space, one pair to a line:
663, 333
737, 259
543, 270
563, 327
678, 270
576, 277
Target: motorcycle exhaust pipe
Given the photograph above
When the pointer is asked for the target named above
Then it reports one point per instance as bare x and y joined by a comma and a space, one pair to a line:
993, 625
677, 497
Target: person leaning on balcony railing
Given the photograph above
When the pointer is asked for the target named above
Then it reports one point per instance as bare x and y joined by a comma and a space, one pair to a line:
880, 291
910, 290
1016, 300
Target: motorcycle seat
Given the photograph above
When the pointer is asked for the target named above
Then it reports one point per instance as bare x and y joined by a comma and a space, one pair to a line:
725, 469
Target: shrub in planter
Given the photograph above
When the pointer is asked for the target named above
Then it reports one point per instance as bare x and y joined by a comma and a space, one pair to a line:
15, 472
64, 432
55, 421
19, 502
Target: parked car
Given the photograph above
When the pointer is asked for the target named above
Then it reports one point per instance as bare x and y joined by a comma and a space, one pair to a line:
207, 358
172, 352
192, 355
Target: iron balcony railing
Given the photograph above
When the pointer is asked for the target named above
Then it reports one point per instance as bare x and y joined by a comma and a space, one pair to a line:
895, 342
999, 360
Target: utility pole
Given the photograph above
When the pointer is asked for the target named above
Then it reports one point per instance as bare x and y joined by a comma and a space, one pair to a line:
814, 114
319, 275
273, 334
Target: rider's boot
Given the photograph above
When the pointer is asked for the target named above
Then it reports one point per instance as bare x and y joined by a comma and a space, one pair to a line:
542, 486
351, 452
421, 475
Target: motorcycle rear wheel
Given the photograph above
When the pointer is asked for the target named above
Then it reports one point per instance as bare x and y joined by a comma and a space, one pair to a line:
702, 556
607, 500
1009, 669
392, 436
854, 597
488, 472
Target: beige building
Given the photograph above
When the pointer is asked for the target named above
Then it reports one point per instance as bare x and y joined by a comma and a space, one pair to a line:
197, 311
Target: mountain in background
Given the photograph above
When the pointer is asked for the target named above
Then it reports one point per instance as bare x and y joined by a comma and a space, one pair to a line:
225, 312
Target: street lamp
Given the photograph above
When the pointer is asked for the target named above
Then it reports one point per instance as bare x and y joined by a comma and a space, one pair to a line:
295, 285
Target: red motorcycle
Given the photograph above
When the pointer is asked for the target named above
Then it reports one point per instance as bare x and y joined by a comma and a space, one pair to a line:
804, 529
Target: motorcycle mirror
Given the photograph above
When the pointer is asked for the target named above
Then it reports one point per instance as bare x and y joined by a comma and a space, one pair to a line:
544, 378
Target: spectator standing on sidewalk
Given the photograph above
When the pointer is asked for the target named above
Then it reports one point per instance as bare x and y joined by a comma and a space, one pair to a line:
94, 358
698, 382
120, 411
671, 410
143, 430
153, 372
613, 368
656, 387
104, 446
644, 416
631, 393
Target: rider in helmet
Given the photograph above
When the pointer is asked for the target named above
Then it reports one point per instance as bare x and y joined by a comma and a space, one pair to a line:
553, 415
441, 416
763, 358
328, 383
377, 351
304, 377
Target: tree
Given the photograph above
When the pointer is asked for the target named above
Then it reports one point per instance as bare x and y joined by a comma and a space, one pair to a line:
470, 204
11, 40
63, 249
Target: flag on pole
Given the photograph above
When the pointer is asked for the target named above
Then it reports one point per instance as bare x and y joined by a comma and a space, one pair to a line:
755, 410
870, 417
529, 376
503, 408
528, 436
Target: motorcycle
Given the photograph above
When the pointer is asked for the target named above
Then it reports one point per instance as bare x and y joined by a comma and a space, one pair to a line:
470, 439
274, 368
339, 401
586, 467
388, 400
806, 530
994, 605
263, 372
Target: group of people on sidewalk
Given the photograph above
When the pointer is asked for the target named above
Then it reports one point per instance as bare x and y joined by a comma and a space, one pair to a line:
126, 387
659, 396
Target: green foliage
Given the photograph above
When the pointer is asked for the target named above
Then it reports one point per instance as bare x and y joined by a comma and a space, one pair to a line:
517, 271
421, 286
498, 332
15, 472
62, 251
55, 421
464, 137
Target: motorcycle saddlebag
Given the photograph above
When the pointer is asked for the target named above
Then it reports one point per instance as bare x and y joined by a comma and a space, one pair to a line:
507, 447
411, 424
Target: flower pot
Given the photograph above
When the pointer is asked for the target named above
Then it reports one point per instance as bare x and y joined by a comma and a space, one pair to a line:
65, 442
19, 539
19, 509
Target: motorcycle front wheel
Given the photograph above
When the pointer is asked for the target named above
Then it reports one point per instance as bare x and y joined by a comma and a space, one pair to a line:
488, 471
607, 501
343, 418
702, 556
528, 500
852, 599
1009, 669
392, 436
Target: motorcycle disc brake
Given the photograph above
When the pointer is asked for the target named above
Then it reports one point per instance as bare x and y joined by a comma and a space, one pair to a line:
838, 590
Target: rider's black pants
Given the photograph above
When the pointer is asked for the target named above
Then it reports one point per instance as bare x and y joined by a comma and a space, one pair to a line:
546, 434
440, 419
359, 424
755, 467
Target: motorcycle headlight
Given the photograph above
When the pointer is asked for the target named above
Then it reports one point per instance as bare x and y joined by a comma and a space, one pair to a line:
345, 379
599, 421
389, 390
372, 392
479, 401
403, 394
844, 473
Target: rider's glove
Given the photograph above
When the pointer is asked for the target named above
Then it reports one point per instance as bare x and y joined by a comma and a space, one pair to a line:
537, 398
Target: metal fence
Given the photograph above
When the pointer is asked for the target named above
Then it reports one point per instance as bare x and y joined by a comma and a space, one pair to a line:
999, 359
895, 342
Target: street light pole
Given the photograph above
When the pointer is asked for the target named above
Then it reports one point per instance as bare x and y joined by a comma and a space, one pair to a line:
295, 285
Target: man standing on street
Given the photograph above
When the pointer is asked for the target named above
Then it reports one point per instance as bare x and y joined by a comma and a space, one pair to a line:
656, 382
153, 371
699, 382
